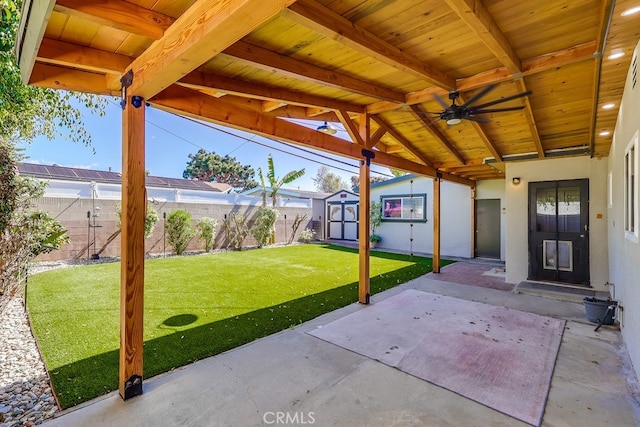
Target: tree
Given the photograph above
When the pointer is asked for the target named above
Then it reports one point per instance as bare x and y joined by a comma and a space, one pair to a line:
274, 182
355, 180
179, 230
29, 111
329, 182
209, 166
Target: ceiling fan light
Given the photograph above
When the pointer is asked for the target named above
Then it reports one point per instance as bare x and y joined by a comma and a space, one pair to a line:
326, 128
453, 121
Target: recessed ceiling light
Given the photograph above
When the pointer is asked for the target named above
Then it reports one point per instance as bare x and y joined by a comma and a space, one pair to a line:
616, 55
631, 11
608, 106
605, 133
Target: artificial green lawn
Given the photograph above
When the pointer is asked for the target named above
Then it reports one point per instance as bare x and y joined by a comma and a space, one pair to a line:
194, 307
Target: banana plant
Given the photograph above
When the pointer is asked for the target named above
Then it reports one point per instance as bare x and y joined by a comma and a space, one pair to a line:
274, 182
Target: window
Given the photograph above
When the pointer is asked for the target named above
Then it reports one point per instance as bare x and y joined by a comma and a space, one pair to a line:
631, 190
404, 208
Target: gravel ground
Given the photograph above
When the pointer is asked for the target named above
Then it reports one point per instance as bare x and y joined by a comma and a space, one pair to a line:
26, 398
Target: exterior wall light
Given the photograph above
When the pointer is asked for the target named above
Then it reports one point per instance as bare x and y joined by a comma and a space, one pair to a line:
515, 180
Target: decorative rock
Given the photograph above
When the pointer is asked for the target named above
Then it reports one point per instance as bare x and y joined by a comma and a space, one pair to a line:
25, 392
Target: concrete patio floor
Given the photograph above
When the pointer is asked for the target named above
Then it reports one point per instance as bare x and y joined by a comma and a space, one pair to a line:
292, 378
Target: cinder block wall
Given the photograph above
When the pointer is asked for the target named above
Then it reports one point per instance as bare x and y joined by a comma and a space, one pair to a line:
104, 238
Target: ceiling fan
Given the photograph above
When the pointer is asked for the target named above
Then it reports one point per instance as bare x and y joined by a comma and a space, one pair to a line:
454, 113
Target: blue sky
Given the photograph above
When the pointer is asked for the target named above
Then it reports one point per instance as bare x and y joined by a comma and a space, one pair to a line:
169, 141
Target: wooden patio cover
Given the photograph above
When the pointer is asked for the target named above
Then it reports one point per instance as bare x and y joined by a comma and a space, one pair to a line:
372, 65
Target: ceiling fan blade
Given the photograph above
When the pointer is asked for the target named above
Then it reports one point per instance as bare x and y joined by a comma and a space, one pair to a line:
476, 119
508, 98
440, 101
495, 110
478, 95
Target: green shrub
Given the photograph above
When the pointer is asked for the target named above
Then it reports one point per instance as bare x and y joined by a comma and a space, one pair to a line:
262, 228
206, 231
307, 235
179, 230
150, 219
236, 230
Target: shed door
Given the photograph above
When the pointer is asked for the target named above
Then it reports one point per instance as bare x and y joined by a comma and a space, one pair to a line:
559, 231
342, 221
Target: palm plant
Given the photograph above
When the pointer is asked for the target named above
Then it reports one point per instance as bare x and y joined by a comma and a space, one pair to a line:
274, 182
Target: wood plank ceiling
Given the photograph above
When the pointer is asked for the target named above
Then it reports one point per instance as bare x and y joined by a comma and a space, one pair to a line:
249, 64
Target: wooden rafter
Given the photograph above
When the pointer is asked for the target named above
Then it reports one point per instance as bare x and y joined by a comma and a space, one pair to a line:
178, 52
72, 55
531, 121
193, 104
561, 58
406, 144
266, 59
436, 132
479, 21
269, 106
198, 80
324, 21
572, 55
375, 138
119, 14
51, 76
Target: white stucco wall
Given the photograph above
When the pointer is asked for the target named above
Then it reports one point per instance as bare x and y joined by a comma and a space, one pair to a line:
624, 254
517, 207
495, 189
455, 221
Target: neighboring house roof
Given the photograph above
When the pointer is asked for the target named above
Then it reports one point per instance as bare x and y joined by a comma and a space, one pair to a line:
390, 181
286, 192
64, 173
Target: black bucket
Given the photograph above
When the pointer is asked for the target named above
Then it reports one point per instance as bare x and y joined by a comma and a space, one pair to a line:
598, 309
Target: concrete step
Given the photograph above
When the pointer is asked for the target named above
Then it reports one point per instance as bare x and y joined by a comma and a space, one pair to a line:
559, 291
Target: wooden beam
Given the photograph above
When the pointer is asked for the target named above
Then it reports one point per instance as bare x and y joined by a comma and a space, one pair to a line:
203, 31
333, 26
56, 52
364, 218
479, 21
35, 17
269, 106
401, 139
433, 128
579, 53
55, 77
531, 121
134, 206
482, 134
190, 103
119, 14
375, 138
351, 127
436, 225
268, 60
561, 58
198, 80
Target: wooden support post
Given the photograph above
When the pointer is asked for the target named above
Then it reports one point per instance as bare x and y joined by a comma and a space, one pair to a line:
365, 209
134, 205
436, 224
363, 231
